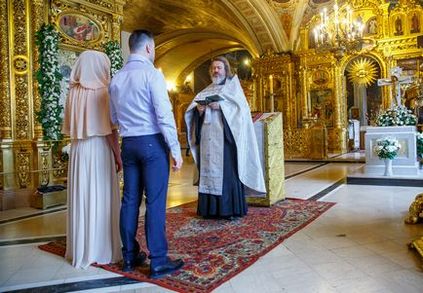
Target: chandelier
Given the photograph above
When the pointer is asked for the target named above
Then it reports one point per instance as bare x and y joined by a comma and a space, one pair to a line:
341, 35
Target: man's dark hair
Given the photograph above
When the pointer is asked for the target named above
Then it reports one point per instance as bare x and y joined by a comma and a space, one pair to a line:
138, 38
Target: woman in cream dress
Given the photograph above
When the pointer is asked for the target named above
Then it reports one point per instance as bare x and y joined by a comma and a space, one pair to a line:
93, 190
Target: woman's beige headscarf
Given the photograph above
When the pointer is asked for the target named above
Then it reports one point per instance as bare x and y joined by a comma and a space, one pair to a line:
87, 104
91, 70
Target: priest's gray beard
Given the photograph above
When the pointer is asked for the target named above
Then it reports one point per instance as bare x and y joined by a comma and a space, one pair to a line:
217, 79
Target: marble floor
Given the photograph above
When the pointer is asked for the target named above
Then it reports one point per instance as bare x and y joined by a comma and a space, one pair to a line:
359, 245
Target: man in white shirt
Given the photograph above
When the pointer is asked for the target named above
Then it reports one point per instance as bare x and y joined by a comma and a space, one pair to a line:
140, 105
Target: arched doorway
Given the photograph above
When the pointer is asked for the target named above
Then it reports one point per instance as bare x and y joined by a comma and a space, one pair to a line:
364, 96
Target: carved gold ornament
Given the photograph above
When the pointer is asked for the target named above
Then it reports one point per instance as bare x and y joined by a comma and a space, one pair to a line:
415, 212
362, 71
20, 63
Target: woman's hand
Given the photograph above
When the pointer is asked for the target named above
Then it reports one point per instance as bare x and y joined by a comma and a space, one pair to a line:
119, 164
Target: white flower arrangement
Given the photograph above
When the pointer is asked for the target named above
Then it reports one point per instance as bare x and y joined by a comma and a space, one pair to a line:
396, 116
49, 77
66, 149
387, 147
66, 152
114, 52
419, 140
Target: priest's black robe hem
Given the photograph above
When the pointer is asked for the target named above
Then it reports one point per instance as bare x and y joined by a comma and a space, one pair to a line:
232, 202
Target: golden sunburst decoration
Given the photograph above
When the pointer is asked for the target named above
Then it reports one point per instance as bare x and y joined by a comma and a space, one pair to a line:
362, 71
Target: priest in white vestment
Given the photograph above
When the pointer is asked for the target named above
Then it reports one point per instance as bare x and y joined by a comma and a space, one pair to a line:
224, 146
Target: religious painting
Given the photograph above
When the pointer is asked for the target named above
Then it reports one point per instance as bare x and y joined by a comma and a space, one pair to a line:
415, 23
322, 105
320, 77
419, 42
411, 66
79, 27
355, 113
371, 26
66, 60
398, 26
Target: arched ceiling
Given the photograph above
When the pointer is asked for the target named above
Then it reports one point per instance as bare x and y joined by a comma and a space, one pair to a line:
188, 32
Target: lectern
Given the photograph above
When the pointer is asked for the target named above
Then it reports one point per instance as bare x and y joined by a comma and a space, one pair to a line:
269, 133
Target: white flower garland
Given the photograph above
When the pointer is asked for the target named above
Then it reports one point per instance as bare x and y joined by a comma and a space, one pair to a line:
113, 51
49, 77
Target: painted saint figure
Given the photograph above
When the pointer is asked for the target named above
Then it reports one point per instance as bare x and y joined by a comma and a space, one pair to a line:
415, 24
398, 27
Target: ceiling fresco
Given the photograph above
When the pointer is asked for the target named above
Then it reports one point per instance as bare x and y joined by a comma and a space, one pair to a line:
191, 31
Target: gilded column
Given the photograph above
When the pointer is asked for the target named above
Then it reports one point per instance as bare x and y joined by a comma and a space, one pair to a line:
291, 96
20, 45
41, 150
39, 16
5, 101
304, 102
117, 19
116, 27
21, 88
6, 152
286, 79
261, 93
339, 129
254, 97
23, 164
385, 20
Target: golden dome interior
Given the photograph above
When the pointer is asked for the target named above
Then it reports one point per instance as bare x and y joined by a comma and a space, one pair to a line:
190, 32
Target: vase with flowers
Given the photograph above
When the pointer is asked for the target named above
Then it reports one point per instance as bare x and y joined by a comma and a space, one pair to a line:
387, 149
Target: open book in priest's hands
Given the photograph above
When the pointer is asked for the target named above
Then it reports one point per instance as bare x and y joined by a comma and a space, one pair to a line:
209, 99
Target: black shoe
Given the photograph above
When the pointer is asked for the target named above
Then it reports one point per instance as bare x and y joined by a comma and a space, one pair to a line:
166, 269
129, 265
140, 259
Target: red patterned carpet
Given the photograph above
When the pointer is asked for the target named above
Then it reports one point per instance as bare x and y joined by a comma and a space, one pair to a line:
216, 250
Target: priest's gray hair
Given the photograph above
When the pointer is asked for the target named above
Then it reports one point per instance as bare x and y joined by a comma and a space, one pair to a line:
138, 39
226, 64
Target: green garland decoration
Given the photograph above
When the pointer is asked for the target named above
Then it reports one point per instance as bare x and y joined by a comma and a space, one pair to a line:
49, 77
113, 51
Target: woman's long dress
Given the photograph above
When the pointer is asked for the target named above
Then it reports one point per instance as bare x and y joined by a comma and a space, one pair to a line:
93, 190
93, 204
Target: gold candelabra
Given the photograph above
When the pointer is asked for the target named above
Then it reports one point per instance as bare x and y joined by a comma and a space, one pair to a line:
341, 35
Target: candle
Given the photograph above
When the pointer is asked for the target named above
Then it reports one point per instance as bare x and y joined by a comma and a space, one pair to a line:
349, 16
336, 16
271, 84
325, 16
